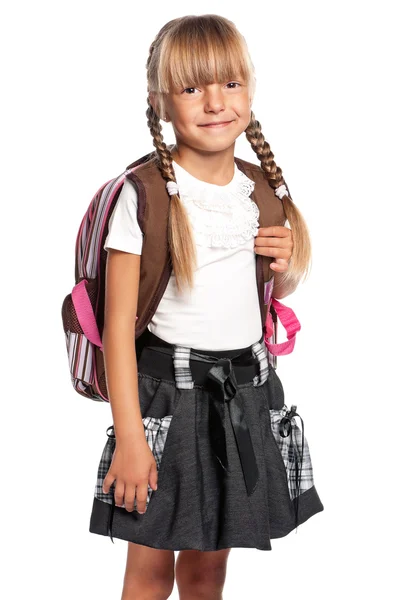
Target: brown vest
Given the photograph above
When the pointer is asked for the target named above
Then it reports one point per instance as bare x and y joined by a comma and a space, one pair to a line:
153, 208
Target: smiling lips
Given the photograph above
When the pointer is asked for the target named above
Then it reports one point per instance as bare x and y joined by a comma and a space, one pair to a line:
216, 125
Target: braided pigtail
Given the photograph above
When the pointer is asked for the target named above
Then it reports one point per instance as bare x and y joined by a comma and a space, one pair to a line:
179, 232
180, 235
301, 255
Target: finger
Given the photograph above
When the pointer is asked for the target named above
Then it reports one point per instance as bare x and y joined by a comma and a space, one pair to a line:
153, 477
278, 242
281, 265
274, 230
119, 493
109, 479
271, 241
142, 495
129, 496
272, 251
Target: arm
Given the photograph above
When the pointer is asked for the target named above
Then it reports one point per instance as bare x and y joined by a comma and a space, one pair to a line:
121, 297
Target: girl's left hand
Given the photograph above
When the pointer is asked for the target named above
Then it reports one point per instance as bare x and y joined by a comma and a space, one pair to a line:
275, 241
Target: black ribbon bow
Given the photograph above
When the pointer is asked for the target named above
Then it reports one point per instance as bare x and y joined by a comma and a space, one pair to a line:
224, 392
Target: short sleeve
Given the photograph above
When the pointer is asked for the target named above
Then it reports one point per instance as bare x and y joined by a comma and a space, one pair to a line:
124, 232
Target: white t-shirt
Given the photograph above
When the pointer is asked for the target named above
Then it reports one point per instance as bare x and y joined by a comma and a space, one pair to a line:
222, 312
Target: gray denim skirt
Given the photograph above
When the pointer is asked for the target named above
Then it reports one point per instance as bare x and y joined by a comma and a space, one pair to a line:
234, 467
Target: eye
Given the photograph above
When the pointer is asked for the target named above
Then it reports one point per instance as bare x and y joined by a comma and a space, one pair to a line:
233, 83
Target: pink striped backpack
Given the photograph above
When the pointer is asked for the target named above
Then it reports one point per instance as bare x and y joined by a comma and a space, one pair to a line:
83, 308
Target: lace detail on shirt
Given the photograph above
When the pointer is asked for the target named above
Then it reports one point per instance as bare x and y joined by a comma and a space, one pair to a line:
221, 216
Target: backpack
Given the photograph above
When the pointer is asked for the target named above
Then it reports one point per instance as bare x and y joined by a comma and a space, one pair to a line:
83, 308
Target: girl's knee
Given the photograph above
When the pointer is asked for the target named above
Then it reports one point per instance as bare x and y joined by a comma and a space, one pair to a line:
148, 571
202, 572
213, 575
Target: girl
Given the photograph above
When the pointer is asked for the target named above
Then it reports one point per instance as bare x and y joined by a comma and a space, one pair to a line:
196, 460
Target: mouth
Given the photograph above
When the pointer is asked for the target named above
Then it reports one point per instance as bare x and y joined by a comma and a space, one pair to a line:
216, 124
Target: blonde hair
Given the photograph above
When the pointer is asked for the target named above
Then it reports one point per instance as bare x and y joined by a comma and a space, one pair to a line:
204, 49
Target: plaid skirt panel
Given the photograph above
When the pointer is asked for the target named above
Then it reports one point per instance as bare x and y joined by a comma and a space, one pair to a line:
156, 430
294, 459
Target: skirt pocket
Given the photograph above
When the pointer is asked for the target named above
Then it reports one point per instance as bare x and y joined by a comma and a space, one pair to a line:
156, 431
293, 448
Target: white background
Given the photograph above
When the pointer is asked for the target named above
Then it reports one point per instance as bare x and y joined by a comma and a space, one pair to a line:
72, 117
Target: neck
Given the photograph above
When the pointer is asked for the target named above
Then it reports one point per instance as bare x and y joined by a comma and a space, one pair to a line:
212, 167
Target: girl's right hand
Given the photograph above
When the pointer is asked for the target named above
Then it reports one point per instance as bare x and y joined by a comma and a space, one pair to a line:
134, 467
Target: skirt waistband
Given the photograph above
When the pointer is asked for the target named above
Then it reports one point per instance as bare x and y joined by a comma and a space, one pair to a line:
189, 366
150, 339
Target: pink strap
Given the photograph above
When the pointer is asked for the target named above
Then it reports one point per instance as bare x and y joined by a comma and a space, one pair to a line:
290, 323
85, 313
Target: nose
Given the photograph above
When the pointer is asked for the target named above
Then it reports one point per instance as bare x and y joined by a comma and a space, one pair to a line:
214, 99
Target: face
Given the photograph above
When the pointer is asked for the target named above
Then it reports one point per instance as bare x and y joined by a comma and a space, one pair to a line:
193, 110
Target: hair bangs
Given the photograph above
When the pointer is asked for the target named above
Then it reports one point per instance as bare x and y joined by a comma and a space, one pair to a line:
201, 54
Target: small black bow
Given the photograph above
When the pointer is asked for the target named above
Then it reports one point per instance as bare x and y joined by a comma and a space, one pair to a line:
285, 429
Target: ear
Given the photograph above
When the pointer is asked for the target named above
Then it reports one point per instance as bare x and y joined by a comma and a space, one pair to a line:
253, 91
